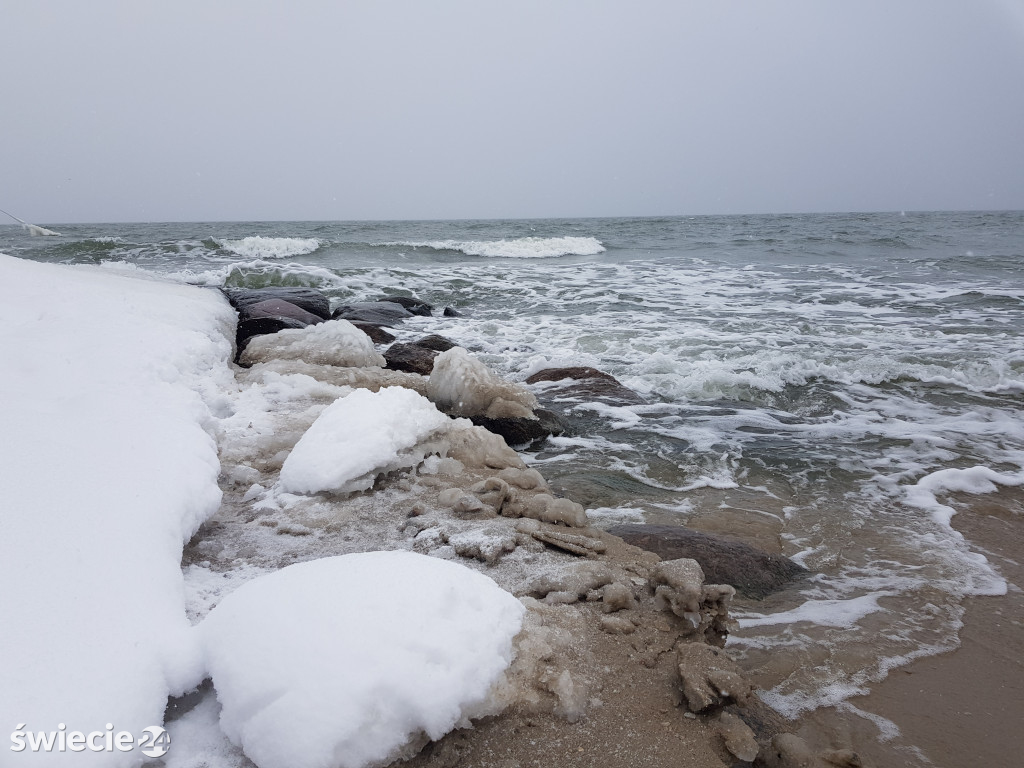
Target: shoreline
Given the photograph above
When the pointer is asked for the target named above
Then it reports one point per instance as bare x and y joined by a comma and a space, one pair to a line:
963, 708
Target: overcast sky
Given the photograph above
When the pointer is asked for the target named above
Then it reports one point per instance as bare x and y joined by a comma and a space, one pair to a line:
317, 109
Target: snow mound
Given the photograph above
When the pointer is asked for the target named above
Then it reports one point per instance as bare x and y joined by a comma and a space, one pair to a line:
463, 386
342, 662
107, 471
359, 437
335, 342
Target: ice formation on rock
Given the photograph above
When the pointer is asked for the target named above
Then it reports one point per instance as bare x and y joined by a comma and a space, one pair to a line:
335, 342
463, 386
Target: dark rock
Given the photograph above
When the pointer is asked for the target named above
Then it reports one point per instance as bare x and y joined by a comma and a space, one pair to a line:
436, 343
377, 334
279, 308
411, 358
308, 299
418, 356
451, 312
518, 432
573, 372
754, 573
386, 313
552, 423
259, 326
415, 306
587, 384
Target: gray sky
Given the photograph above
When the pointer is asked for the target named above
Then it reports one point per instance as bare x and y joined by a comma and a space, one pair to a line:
309, 109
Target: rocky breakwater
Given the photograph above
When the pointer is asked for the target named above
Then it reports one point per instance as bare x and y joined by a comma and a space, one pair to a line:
620, 660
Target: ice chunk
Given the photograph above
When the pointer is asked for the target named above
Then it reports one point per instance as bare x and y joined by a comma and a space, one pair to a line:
463, 386
345, 660
358, 437
336, 342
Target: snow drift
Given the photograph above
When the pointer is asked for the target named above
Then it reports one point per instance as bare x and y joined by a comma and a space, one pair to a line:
342, 662
107, 472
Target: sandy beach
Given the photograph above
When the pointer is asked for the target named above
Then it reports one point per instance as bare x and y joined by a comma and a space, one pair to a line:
965, 708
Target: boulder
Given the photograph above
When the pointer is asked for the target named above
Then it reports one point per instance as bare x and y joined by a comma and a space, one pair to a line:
308, 299
377, 334
386, 313
518, 432
451, 312
435, 342
415, 306
584, 383
278, 308
753, 572
410, 357
258, 326
418, 356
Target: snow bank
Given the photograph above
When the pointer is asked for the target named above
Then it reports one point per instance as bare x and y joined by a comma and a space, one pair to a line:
107, 471
359, 437
463, 386
335, 342
341, 662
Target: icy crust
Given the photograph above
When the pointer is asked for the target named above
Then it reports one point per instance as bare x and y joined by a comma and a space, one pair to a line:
340, 662
463, 386
107, 472
358, 437
335, 342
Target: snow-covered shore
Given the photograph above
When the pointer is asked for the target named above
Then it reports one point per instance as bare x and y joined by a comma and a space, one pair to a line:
113, 388
107, 471
363, 573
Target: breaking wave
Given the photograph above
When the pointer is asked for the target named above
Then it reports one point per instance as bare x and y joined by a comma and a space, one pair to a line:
518, 248
259, 247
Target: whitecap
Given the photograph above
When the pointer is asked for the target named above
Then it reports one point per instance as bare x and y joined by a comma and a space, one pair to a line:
517, 248
259, 247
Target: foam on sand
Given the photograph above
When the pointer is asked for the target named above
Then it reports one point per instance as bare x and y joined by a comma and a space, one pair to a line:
107, 472
345, 660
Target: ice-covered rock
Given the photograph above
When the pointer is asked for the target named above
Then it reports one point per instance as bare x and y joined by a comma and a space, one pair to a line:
336, 342
359, 437
709, 677
463, 386
343, 662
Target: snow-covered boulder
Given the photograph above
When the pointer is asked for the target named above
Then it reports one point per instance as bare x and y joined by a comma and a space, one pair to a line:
463, 386
336, 342
359, 437
342, 662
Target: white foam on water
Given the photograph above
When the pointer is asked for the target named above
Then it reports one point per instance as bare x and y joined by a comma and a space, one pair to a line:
827, 613
517, 248
260, 247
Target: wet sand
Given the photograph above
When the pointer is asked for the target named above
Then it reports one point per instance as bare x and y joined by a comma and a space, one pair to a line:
962, 709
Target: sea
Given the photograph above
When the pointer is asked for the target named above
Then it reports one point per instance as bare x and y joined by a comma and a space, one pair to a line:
831, 387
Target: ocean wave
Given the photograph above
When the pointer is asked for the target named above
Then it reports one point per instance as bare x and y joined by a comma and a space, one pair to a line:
518, 248
259, 247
